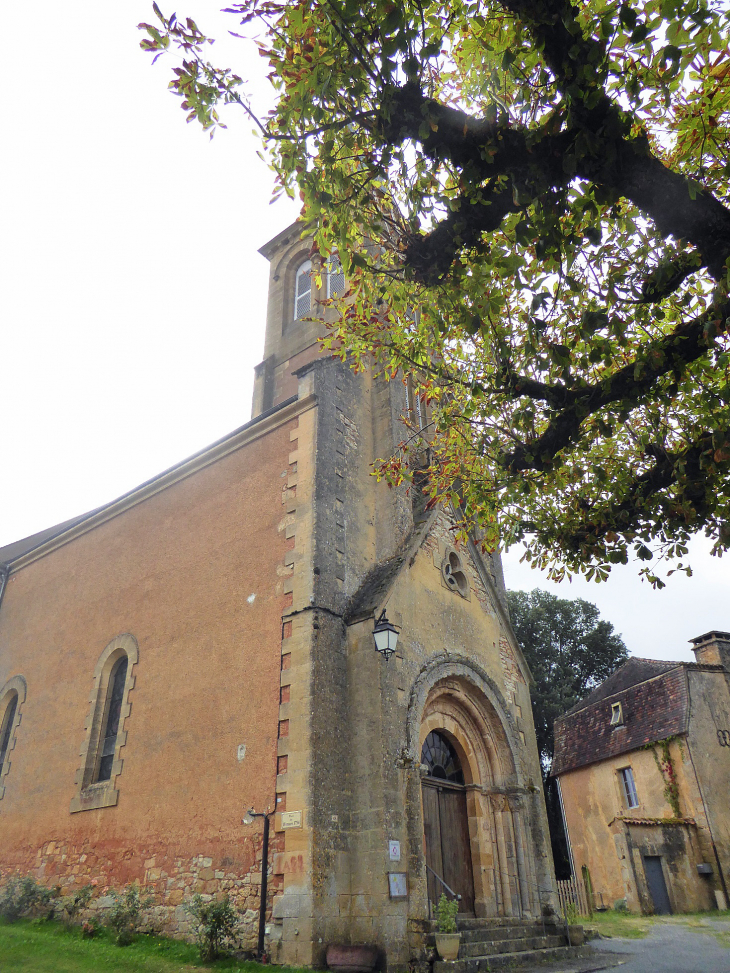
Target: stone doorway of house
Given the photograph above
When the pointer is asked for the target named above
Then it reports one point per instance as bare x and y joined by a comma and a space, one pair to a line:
445, 823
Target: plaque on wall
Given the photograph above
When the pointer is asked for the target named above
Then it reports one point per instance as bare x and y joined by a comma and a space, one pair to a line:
397, 885
291, 819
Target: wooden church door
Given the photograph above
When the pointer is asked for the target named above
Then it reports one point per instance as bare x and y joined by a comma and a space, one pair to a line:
445, 823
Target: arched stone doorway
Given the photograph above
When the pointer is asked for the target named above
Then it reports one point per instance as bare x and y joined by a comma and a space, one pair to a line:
473, 799
446, 822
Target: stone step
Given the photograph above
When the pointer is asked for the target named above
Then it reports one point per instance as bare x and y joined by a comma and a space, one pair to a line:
523, 931
487, 964
471, 950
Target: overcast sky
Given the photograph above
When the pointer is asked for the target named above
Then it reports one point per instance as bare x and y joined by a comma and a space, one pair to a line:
132, 296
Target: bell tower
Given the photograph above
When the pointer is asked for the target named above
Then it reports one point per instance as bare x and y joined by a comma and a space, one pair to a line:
295, 298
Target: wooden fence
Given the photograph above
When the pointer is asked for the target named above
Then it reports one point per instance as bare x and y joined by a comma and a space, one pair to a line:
572, 892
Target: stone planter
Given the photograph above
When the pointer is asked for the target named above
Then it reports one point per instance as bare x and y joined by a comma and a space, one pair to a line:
351, 959
447, 945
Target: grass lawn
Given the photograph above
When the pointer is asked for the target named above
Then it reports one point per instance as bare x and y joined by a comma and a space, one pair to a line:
48, 947
630, 926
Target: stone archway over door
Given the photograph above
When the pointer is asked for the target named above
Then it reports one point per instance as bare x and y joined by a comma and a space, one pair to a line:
448, 848
469, 769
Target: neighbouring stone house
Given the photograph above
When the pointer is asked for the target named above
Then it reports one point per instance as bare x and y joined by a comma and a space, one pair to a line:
643, 768
203, 646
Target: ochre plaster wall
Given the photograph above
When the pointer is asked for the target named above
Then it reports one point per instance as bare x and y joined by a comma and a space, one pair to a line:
603, 837
196, 574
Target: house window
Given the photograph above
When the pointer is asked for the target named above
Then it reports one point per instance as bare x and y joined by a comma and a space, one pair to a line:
617, 714
628, 787
303, 290
335, 276
12, 697
101, 759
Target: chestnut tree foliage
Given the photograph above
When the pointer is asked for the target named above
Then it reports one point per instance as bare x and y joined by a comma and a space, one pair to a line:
530, 202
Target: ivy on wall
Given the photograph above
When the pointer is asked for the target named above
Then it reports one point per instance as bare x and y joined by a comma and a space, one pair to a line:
663, 758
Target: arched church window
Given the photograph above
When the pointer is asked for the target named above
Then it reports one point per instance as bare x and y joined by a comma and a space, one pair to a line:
12, 697
303, 290
441, 759
335, 276
10, 704
111, 728
101, 754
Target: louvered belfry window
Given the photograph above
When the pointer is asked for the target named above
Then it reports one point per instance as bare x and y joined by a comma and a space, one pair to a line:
111, 727
303, 290
335, 276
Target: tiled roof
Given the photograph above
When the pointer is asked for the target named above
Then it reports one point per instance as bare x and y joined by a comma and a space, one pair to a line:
629, 674
654, 701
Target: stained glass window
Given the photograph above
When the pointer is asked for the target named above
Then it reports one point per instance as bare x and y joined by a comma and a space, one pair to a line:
7, 727
116, 697
441, 758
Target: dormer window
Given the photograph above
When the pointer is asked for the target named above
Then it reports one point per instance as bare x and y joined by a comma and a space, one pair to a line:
303, 290
335, 276
617, 714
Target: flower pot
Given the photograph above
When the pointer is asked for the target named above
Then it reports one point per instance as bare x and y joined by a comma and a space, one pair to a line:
351, 959
447, 944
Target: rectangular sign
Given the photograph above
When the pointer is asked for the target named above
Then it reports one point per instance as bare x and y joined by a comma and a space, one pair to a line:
397, 885
291, 819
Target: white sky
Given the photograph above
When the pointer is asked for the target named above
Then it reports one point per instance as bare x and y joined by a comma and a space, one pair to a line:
132, 296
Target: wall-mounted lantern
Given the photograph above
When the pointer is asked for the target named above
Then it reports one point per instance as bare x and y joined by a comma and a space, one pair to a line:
385, 635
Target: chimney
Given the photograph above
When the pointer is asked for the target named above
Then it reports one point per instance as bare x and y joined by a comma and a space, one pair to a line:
712, 649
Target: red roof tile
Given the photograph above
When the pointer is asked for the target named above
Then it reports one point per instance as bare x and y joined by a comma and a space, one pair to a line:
655, 705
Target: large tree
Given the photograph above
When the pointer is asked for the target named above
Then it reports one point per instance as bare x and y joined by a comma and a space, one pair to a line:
530, 200
570, 650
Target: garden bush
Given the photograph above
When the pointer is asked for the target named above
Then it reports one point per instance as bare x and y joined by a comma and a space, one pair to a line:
125, 915
24, 896
217, 921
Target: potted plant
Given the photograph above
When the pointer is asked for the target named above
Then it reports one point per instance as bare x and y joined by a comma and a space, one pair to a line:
447, 938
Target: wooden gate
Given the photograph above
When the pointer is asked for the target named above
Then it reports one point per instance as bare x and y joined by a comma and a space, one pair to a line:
448, 849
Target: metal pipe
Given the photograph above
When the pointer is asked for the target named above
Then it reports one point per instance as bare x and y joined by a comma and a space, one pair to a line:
264, 884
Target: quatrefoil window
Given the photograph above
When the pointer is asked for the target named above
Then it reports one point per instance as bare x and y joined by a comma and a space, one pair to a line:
454, 574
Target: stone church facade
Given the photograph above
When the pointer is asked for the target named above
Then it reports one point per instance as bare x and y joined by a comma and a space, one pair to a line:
204, 645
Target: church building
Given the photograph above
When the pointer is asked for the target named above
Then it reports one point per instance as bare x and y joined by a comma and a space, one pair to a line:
203, 647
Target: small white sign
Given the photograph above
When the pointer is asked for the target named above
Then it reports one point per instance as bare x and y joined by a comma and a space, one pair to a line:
394, 850
291, 819
241, 752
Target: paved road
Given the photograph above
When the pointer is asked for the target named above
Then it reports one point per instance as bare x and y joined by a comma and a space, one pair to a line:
672, 947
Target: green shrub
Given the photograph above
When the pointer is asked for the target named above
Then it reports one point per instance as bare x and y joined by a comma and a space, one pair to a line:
217, 921
69, 906
446, 914
125, 915
22, 897
90, 928
571, 914
620, 906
